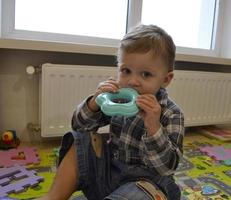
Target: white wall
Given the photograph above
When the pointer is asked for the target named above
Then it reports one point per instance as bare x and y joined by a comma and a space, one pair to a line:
18, 95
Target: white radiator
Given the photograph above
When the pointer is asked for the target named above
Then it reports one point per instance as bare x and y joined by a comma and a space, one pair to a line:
203, 96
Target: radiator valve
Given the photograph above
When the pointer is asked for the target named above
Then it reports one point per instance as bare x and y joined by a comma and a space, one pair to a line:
33, 127
31, 70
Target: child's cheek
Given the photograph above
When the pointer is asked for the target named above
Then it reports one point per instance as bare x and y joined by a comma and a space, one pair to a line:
122, 83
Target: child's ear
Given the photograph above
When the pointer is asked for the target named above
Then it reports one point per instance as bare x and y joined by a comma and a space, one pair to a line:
168, 79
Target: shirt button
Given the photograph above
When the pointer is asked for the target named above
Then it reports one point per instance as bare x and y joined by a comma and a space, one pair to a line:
116, 155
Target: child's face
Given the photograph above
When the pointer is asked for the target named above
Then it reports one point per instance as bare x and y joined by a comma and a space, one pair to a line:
143, 72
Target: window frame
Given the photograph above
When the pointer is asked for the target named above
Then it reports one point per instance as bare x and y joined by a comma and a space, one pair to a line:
134, 16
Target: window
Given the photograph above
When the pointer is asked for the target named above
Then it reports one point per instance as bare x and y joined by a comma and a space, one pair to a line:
192, 23
104, 18
77, 21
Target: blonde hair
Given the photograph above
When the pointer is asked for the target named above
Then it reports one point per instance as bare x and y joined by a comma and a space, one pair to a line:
144, 38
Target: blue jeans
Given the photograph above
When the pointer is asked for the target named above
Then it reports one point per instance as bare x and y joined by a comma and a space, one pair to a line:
108, 178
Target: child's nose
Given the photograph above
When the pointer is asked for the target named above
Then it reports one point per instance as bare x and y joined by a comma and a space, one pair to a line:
134, 81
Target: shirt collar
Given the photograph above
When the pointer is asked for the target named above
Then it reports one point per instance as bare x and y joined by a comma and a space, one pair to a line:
162, 97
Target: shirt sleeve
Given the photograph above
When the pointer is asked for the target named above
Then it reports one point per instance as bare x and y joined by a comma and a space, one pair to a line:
84, 119
163, 150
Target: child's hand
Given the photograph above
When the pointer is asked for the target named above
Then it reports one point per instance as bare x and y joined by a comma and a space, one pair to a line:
150, 111
110, 85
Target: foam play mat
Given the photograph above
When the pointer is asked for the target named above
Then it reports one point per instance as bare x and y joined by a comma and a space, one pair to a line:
205, 171
203, 174
27, 172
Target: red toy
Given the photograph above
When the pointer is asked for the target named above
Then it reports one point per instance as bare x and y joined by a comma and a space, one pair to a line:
9, 140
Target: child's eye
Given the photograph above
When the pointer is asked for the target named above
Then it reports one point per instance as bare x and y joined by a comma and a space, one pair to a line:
146, 74
125, 71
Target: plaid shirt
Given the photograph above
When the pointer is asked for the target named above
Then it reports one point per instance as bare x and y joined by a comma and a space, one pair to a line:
160, 152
